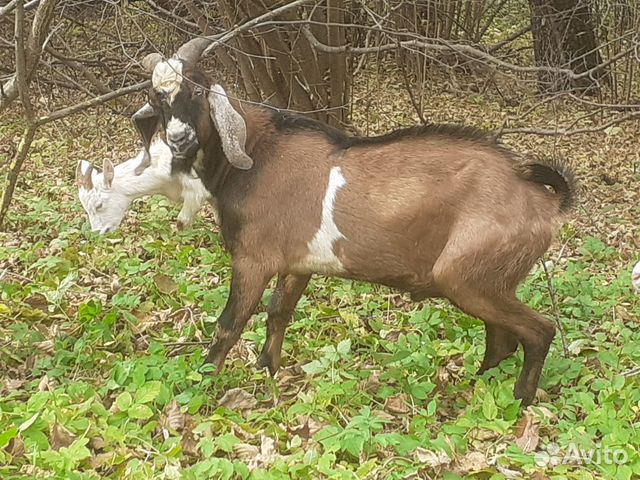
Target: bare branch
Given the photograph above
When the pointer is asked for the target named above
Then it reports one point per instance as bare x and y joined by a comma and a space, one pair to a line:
33, 49
10, 7
225, 37
560, 132
21, 63
93, 102
471, 52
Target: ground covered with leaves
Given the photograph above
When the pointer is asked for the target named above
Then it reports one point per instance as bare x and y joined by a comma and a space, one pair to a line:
101, 339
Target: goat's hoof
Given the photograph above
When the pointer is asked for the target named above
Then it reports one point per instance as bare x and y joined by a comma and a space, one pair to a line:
266, 360
523, 393
180, 225
213, 359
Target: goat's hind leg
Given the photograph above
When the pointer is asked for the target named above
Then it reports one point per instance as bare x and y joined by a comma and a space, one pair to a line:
500, 344
248, 282
288, 291
527, 327
504, 315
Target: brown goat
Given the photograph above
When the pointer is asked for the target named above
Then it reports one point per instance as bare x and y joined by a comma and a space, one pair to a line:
437, 211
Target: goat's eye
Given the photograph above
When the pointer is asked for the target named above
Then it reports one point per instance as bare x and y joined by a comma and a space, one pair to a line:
99, 206
197, 91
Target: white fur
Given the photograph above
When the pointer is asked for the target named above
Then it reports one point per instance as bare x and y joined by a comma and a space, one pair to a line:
635, 277
321, 257
84, 167
127, 186
167, 78
177, 128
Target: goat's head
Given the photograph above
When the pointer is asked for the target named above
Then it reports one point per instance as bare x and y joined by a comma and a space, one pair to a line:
104, 206
192, 114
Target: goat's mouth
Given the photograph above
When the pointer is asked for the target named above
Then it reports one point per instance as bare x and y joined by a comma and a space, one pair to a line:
185, 153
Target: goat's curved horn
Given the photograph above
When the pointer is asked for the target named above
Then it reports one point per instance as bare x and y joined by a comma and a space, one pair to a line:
150, 61
191, 51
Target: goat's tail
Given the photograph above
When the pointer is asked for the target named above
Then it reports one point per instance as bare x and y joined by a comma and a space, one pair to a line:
555, 174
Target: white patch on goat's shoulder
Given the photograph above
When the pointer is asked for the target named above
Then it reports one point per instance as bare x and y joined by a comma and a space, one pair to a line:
167, 78
321, 258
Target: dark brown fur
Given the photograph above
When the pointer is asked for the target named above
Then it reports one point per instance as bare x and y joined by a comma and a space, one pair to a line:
437, 211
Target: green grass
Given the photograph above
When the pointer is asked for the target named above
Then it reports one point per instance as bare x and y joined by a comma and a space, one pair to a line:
98, 380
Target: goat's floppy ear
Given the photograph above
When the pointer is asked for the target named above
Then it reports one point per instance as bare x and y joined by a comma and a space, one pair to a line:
146, 121
231, 128
107, 173
83, 175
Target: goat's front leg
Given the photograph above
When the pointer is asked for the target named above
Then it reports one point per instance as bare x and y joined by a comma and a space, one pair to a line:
186, 215
283, 302
248, 281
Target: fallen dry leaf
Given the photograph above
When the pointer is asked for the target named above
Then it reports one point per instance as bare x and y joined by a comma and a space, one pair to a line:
102, 459
16, 447
238, 399
397, 404
372, 384
508, 473
172, 420
97, 443
175, 418
472, 462
527, 432
37, 301
13, 384
539, 476
165, 283
60, 437
307, 428
47, 346
431, 458
255, 457
44, 383
189, 442
245, 452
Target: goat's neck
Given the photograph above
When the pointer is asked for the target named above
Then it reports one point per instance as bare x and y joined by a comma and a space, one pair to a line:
212, 167
156, 179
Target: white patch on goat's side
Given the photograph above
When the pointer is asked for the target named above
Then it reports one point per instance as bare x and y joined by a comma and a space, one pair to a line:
167, 78
321, 258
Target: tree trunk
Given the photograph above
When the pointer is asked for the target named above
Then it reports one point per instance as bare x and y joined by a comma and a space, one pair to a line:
564, 37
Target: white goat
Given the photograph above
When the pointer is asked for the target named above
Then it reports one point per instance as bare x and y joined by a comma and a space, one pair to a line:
635, 277
107, 195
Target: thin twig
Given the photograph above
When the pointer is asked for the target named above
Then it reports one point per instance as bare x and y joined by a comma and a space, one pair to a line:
187, 343
561, 132
93, 102
556, 310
